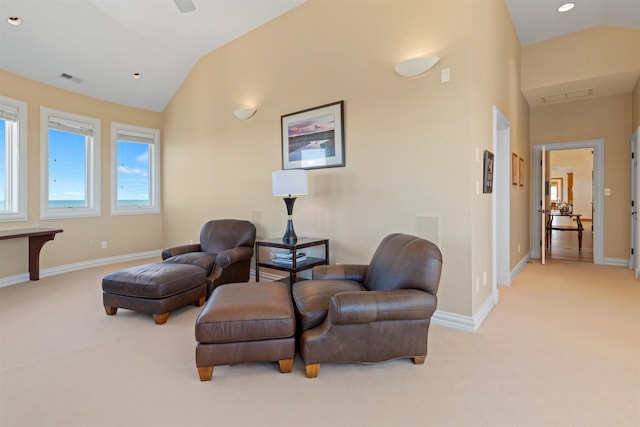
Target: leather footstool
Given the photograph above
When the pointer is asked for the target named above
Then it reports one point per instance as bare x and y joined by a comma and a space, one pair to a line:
155, 289
246, 322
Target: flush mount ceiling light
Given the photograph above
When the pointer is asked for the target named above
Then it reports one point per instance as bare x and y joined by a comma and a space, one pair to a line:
566, 7
14, 20
416, 66
244, 113
136, 75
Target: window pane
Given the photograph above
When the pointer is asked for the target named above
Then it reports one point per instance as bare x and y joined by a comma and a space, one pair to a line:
133, 174
3, 167
67, 170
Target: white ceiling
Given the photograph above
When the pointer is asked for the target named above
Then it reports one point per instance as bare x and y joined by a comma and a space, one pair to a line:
103, 42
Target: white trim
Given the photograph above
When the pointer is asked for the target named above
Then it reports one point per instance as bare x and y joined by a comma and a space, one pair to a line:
501, 201
92, 163
465, 323
598, 194
523, 262
21, 278
148, 136
17, 156
618, 262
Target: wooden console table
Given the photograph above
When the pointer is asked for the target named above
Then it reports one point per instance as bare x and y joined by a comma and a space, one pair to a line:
37, 238
578, 227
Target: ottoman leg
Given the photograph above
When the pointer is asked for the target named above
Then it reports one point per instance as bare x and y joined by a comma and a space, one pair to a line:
111, 311
160, 319
312, 370
286, 365
205, 373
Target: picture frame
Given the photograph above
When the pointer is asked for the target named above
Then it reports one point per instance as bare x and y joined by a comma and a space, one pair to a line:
514, 169
314, 138
521, 171
487, 177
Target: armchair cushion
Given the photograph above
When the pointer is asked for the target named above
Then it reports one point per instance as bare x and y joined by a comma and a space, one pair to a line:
203, 260
311, 299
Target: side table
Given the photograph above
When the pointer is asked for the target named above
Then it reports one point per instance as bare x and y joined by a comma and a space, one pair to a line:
295, 267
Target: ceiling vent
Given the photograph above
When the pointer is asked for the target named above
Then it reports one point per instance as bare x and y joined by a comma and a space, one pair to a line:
70, 77
574, 94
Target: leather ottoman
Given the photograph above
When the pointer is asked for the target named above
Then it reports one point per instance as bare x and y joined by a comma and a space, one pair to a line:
155, 289
246, 322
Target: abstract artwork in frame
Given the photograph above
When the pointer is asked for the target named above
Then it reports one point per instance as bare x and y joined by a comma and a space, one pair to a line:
314, 138
487, 179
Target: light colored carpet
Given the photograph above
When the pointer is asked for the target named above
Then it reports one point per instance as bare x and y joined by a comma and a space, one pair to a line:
562, 348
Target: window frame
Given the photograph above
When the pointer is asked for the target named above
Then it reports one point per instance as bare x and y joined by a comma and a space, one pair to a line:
137, 132
15, 162
92, 164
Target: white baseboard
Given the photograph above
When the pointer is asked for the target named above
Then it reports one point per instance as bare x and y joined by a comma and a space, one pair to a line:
21, 278
618, 262
465, 323
523, 262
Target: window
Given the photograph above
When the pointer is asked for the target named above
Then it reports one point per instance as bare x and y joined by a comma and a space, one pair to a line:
70, 165
13, 160
135, 174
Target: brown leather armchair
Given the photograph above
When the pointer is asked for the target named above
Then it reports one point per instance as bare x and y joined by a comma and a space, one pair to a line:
370, 313
224, 251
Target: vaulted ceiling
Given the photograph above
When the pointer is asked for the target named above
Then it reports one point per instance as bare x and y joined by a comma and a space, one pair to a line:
98, 45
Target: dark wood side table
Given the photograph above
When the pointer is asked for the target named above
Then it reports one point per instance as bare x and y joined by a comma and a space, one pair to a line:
295, 267
578, 227
37, 238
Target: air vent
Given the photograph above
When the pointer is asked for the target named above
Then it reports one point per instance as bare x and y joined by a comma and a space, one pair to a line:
580, 93
70, 77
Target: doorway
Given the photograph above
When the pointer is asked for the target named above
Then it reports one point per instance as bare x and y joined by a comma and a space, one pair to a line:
566, 172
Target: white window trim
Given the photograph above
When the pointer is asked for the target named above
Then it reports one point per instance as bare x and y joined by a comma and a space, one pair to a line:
154, 169
93, 167
18, 156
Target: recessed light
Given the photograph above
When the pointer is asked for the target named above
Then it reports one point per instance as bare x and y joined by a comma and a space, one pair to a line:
136, 75
566, 7
14, 20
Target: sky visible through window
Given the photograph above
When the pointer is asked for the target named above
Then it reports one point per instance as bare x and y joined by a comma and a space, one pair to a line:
133, 174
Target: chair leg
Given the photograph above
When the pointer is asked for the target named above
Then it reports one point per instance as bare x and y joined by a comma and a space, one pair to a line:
205, 373
200, 302
312, 370
286, 365
111, 311
160, 319
419, 360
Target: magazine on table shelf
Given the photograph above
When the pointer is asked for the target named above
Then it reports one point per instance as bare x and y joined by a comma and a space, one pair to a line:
286, 258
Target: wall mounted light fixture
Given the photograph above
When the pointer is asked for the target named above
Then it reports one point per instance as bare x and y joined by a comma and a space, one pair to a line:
244, 113
416, 66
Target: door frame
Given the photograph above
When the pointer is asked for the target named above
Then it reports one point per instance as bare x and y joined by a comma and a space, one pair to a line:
634, 256
598, 193
501, 203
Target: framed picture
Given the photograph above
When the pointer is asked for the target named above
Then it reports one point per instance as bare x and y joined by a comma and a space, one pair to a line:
487, 186
314, 138
521, 172
514, 169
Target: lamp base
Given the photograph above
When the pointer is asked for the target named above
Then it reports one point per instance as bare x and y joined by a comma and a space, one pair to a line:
290, 236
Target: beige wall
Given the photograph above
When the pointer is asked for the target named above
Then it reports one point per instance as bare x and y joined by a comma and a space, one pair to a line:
608, 118
82, 237
410, 143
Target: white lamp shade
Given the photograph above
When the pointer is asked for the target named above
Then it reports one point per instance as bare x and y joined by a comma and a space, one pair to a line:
416, 66
290, 182
244, 113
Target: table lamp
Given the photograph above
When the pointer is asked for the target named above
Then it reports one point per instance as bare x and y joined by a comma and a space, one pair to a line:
289, 183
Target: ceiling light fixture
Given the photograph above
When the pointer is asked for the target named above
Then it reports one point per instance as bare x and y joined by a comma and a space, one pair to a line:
566, 7
14, 20
136, 75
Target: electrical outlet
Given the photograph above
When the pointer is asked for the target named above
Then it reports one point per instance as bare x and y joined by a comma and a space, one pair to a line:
518, 247
104, 244
484, 278
191, 241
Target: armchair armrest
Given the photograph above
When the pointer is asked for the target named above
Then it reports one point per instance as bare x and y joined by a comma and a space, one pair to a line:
354, 272
372, 306
234, 255
179, 250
